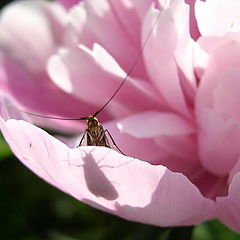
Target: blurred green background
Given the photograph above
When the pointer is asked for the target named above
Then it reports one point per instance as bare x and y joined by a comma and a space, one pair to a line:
30, 209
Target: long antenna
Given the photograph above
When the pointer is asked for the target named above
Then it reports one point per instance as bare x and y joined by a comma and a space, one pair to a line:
140, 53
42, 116
139, 56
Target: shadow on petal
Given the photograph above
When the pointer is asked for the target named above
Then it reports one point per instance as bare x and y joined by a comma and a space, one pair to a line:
175, 202
97, 183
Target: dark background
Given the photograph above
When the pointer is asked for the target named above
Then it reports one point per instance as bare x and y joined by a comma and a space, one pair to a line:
30, 209
4, 2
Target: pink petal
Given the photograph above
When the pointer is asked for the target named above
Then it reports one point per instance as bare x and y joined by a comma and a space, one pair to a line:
217, 109
163, 69
153, 124
104, 22
210, 185
208, 45
226, 94
3, 74
177, 152
105, 179
52, 100
8, 109
22, 22
184, 49
228, 207
184, 59
127, 13
216, 152
171, 135
136, 147
68, 3
217, 17
223, 55
142, 7
183, 147
201, 54
25, 75
235, 170
93, 75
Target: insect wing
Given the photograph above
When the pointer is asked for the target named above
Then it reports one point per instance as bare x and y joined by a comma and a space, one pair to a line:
97, 138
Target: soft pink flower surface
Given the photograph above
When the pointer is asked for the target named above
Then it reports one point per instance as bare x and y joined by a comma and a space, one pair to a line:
177, 116
68, 3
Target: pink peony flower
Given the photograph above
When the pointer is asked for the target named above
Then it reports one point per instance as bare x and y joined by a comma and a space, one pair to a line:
176, 117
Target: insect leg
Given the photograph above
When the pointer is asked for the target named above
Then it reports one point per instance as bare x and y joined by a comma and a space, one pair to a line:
114, 142
106, 139
102, 138
82, 139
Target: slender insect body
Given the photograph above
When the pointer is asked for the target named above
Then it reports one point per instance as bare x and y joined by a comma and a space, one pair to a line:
95, 133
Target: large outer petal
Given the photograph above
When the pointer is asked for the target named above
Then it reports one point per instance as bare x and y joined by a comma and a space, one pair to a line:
108, 180
216, 152
217, 109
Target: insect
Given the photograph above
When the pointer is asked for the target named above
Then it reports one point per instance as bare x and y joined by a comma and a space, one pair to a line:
95, 134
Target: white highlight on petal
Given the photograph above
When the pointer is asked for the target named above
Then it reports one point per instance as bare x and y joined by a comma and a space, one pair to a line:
104, 59
217, 17
59, 73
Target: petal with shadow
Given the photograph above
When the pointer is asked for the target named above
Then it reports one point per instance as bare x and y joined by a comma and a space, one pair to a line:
102, 177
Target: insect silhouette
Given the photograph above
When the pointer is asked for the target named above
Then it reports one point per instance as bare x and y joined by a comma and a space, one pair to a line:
95, 134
